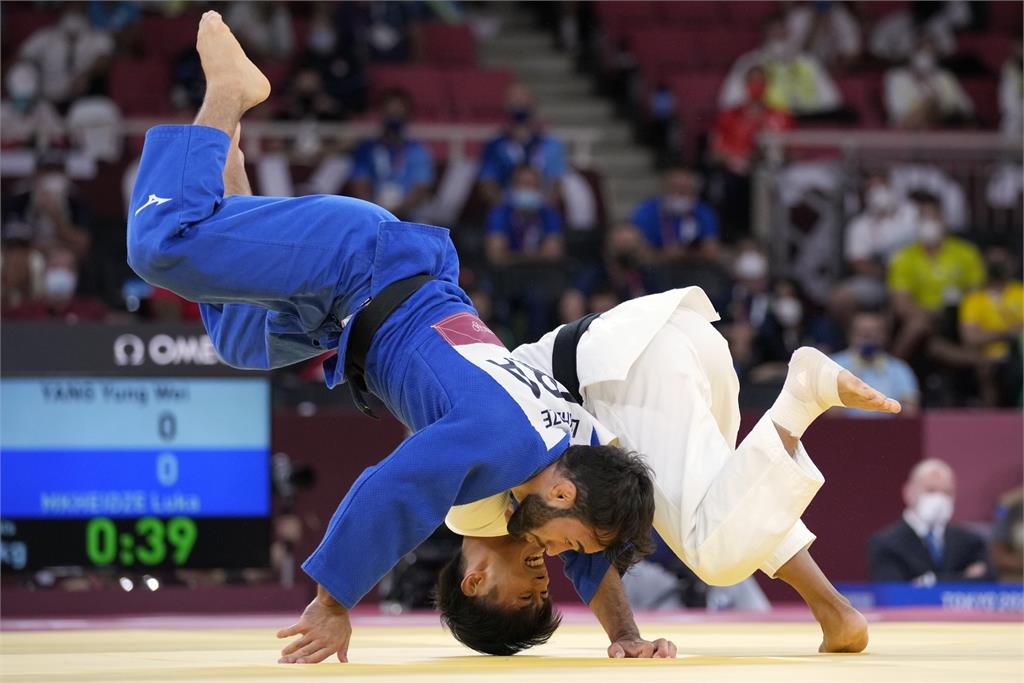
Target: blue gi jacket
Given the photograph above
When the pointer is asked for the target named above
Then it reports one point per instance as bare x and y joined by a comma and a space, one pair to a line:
277, 277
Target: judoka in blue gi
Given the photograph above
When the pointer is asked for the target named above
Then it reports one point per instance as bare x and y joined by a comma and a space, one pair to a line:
281, 280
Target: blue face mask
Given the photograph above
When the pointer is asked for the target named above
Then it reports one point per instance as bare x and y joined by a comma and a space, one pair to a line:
525, 199
869, 351
520, 115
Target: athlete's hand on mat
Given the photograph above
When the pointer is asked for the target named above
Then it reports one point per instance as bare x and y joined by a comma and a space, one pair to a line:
628, 648
325, 630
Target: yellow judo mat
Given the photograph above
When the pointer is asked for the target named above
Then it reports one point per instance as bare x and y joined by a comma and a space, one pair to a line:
718, 653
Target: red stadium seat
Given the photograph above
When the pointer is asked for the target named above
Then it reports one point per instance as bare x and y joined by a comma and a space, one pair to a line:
983, 92
424, 84
721, 47
663, 51
876, 9
1006, 17
20, 21
442, 43
686, 14
750, 14
697, 99
864, 94
619, 17
141, 87
168, 37
478, 94
991, 49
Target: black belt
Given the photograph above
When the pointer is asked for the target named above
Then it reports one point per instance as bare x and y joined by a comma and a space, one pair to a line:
365, 325
563, 355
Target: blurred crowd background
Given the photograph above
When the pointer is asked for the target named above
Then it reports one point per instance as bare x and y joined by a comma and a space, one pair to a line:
901, 257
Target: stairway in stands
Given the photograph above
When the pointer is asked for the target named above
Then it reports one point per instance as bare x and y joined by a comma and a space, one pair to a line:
566, 98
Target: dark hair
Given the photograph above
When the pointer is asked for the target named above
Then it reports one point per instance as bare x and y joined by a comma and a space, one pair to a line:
485, 626
925, 198
614, 497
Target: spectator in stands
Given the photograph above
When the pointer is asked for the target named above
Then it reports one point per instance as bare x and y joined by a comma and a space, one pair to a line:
733, 146
70, 55
924, 547
797, 81
780, 332
28, 120
522, 142
677, 223
58, 295
48, 214
896, 35
119, 18
393, 170
992, 321
624, 273
1007, 547
922, 94
748, 303
263, 28
887, 224
867, 358
1011, 94
826, 30
926, 280
661, 126
525, 229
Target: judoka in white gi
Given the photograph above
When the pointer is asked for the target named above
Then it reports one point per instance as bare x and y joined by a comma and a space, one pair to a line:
657, 373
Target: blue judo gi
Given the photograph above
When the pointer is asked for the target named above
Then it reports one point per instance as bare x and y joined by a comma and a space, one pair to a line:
278, 279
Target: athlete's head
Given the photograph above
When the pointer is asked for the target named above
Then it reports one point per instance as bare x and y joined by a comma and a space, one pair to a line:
594, 499
493, 596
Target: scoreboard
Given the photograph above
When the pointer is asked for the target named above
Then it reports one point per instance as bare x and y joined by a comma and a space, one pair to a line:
132, 458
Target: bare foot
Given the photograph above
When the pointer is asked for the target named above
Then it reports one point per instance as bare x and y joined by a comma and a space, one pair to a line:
228, 71
845, 630
855, 393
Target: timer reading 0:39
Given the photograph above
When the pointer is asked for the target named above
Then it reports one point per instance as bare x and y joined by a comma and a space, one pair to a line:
148, 545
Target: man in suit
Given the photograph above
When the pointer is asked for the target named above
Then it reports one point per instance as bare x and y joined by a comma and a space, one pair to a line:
923, 547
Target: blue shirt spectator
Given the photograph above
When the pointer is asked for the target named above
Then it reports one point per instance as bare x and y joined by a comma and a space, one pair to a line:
867, 359
522, 143
677, 222
393, 170
524, 230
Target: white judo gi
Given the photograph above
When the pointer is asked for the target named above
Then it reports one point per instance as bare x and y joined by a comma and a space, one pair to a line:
656, 373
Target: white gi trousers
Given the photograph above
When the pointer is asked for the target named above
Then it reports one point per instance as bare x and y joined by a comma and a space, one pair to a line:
724, 510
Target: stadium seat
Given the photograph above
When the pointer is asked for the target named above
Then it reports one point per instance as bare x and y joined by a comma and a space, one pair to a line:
983, 92
618, 17
1006, 17
478, 94
20, 21
863, 92
168, 37
140, 87
876, 9
750, 14
697, 99
660, 52
721, 47
423, 83
991, 49
687, 14
442, 43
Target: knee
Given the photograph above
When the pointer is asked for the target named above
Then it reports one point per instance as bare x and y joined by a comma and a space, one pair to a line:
722, 572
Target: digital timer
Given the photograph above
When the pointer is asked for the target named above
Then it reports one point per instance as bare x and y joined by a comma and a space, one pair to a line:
134, 472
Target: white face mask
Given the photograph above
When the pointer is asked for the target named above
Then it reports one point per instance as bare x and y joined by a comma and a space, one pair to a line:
881, 199
934, 509
678, 204
60, 283
750, 266
923, 62
929, 231
788, 310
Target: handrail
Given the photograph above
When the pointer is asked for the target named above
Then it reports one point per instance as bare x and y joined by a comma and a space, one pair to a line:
580, 140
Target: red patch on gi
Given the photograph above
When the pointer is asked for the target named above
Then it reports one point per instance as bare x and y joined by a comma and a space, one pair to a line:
465, 328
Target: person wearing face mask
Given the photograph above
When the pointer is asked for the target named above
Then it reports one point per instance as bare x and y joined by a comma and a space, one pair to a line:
921, 94
69, 54
393, 170
927, 280
55, 294
924, 547
867, 358
524, 242
522, 142
29, 121
733, 146
797, 82
47, 212
678, 224
992, 321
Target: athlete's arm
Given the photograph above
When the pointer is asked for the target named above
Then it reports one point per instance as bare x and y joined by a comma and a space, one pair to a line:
611, 608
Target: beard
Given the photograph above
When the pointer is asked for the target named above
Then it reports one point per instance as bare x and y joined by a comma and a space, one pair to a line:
531, 514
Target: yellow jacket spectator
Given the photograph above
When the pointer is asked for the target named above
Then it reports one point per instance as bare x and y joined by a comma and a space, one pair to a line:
992, 317
937, 270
